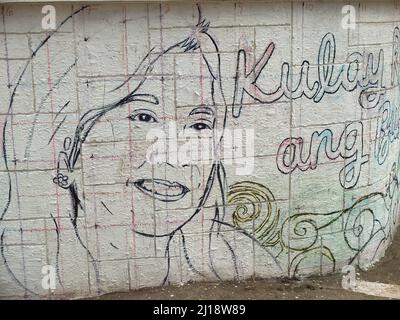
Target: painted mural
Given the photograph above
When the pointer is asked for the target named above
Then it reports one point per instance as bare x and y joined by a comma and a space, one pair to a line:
141, 150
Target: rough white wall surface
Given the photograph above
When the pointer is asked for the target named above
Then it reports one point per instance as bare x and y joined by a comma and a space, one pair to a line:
153, 144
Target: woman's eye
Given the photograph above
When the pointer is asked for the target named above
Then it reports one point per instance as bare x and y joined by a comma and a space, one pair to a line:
143, 117
200, 126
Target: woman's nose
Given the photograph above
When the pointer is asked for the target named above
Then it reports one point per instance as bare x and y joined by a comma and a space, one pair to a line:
173, 167
172, 170
170, 165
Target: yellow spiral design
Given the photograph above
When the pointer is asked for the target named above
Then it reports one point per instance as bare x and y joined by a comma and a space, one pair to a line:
255, 209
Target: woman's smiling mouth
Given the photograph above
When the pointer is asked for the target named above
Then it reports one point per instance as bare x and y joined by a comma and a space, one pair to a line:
162, 190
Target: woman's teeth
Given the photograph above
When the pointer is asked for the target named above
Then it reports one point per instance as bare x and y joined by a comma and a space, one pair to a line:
161, 189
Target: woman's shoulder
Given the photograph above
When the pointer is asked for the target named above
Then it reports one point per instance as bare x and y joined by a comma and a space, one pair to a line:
247, 253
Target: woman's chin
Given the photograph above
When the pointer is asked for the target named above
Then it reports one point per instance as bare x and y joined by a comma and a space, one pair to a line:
156, 233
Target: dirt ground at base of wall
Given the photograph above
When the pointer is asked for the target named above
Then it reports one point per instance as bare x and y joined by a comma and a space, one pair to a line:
387, 271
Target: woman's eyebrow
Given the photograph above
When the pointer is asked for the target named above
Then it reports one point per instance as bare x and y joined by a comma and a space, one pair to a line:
202, 110
149, 98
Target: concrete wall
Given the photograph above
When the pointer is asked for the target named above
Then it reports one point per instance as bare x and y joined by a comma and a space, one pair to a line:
293, 110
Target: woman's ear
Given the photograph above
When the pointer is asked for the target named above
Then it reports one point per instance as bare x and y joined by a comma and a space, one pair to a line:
64, 177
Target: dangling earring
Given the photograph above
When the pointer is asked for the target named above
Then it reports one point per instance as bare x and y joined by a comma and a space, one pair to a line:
61, 180
63, 167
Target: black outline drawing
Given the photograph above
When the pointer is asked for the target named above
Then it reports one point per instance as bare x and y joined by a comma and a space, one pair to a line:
69, 157
270, 233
